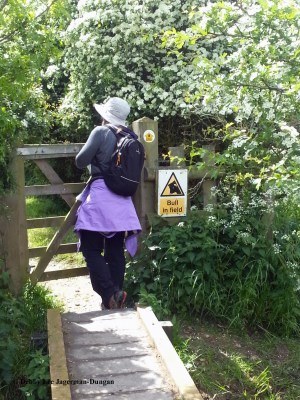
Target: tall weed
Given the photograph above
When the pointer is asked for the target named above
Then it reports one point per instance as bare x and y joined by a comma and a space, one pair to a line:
20, 317
225, 264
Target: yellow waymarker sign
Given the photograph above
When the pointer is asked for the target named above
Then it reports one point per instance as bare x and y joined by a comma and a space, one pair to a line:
172, 192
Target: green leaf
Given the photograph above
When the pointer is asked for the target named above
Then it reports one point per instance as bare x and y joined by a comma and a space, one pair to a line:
246, 250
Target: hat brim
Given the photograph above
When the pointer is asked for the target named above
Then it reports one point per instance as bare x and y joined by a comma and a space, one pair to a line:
101, 109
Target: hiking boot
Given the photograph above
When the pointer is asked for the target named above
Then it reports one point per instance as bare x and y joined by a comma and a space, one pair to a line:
116, 301
120, 297
112, 304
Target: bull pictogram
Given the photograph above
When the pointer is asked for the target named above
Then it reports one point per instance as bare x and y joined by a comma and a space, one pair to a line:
172, 187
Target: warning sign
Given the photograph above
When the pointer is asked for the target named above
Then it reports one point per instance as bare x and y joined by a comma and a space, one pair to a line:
172, 187
172, 208
172, 192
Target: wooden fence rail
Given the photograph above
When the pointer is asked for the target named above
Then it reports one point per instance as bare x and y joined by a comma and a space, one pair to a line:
44, 190
33, 223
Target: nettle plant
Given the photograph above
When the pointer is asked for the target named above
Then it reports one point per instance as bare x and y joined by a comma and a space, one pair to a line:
225, 265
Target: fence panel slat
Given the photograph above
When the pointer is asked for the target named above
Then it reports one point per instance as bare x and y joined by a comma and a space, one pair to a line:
62, 249
44, 190
62, 274
38, 151
33, 223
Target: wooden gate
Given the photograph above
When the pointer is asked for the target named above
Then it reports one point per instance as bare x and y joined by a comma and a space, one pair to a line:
14, 225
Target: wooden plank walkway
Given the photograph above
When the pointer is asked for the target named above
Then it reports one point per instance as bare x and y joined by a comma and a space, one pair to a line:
119, 354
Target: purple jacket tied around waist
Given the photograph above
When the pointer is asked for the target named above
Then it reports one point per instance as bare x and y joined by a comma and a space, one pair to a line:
106, 212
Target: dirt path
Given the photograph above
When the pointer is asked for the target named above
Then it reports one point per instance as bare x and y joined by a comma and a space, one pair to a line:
76, 294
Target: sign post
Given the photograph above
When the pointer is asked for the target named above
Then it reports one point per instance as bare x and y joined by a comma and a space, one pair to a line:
172, 192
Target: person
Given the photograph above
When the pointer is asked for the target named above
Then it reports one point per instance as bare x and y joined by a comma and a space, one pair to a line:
105, 220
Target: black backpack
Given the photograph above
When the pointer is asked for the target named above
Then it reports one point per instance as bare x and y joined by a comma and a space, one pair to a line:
127, 161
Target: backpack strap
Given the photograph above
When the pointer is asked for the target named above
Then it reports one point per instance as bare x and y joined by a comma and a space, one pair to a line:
124, 131
116, 130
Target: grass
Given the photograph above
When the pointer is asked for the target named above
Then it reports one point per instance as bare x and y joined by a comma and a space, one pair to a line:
42, 236
50, 206
227, 365
230, 365
39, 207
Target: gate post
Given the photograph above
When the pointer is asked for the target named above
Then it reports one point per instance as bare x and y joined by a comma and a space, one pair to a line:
208, 184
144, 199
13, 229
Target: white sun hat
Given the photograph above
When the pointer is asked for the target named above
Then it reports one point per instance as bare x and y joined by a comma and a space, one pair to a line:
114, 111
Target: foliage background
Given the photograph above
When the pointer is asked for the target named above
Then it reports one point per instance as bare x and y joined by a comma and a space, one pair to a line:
211, 72
29, 41
195, 67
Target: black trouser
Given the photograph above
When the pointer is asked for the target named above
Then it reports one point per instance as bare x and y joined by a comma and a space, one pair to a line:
106, 271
